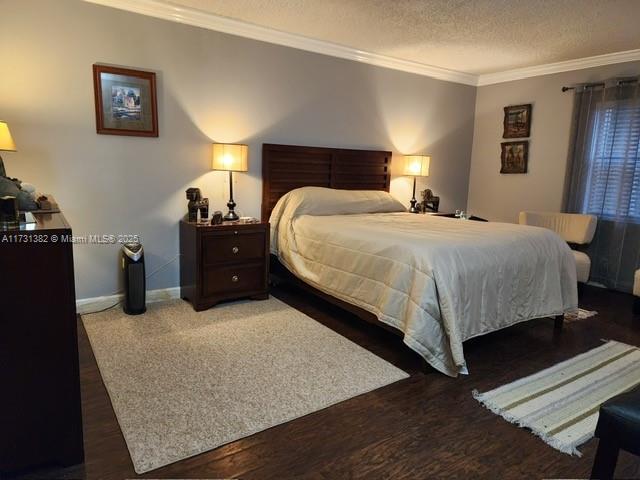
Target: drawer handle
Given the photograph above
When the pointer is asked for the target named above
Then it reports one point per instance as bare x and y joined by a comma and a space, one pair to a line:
234, 278
235, 249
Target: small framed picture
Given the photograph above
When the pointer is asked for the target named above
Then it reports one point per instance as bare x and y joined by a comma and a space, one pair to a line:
125, 101
515, 156
517, 121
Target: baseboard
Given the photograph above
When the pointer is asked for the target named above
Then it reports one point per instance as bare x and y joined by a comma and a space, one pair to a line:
94, 304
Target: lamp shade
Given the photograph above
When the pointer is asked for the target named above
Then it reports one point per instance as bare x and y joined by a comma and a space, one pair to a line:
6, 142
417, 165
230, 157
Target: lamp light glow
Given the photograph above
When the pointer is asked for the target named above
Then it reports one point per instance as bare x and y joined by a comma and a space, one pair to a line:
6, 141
416, 166
230, 157
6, 144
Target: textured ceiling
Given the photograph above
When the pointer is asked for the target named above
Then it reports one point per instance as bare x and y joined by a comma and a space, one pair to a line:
473, 36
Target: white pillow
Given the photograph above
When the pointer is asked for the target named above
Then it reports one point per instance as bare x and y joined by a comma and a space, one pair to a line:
324, 201
330, 201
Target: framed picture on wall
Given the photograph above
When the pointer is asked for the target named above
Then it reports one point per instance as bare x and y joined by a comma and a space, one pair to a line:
125, 101
517, 121
515, 156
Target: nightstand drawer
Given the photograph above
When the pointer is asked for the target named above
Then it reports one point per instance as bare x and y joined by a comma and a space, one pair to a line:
233, 278
230, 247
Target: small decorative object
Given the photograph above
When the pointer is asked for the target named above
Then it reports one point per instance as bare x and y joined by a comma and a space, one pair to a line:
125, 101
197, 204
46, 203
517, 121
416, 166
429, 201
463, 215
216, 218
231, 158
515, 156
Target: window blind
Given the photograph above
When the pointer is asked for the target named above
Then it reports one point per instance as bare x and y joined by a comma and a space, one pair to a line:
613, 184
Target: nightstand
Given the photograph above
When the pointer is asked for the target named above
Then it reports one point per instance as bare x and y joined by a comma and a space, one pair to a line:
223, 262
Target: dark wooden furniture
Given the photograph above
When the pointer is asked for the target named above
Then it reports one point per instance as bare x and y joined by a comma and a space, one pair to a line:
40, 413
618, 429
287, 167
223, 262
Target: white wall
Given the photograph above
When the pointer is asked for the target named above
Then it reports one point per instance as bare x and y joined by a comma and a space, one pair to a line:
501, 197
211, 87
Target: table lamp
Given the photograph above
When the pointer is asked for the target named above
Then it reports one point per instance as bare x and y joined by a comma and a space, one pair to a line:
6, 144
230, 157
416, 166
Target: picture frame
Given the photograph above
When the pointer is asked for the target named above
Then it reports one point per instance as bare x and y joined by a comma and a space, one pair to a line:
517, 121
125, 101
514, 157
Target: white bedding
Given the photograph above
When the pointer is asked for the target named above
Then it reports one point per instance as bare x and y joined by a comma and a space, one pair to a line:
439, 280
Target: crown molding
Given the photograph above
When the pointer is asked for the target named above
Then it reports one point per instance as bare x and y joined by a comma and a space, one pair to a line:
190, 16
559, 67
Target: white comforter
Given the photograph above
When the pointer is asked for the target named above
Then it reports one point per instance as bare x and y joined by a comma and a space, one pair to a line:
439, 280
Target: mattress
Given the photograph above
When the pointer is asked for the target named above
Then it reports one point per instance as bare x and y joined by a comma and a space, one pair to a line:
440, 281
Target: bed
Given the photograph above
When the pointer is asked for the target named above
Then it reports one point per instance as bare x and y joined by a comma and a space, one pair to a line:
438, 281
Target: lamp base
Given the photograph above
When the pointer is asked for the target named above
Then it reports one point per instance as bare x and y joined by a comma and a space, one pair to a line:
413, 200
231, 216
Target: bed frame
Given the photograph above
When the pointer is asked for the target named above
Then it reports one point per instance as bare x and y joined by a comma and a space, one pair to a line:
287, 167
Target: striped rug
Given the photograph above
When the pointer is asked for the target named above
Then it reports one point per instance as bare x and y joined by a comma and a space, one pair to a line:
560, 404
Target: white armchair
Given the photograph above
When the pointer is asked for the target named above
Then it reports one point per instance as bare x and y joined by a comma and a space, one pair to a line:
576, 229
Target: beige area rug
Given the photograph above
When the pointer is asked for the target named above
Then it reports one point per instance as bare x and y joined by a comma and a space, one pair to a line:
183, 382
561, 404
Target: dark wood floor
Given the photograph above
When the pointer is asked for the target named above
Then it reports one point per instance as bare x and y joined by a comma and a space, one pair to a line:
427, 426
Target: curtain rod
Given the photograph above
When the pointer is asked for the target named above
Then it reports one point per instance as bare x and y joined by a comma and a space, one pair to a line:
600, 84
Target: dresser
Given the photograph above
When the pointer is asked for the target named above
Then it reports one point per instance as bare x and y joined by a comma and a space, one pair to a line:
223, 262
40, 409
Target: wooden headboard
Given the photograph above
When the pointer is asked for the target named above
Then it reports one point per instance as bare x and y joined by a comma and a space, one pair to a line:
286, 167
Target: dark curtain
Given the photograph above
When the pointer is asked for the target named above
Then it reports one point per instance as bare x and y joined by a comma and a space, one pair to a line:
604, 177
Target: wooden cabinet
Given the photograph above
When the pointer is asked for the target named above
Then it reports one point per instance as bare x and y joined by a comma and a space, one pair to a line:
40, 409
223, 262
